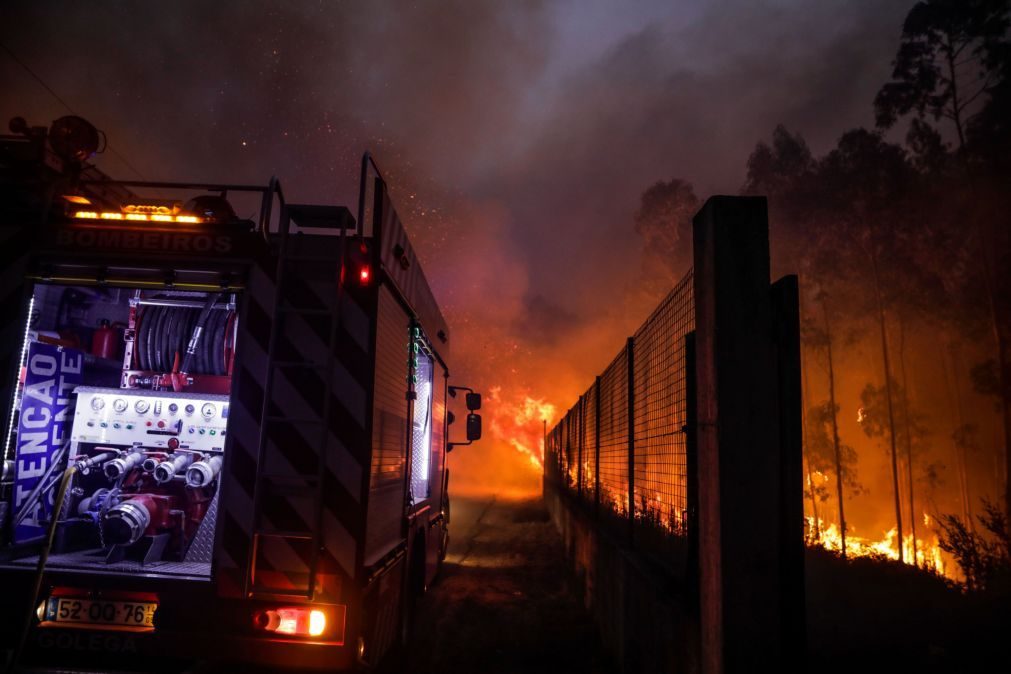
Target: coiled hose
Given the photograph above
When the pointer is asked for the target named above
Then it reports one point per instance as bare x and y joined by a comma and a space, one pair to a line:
197, 335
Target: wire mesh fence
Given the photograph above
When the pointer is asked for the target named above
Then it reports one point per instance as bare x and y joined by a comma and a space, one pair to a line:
588, 457
627, 434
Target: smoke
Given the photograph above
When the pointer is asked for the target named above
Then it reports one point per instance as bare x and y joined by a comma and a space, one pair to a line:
516, 137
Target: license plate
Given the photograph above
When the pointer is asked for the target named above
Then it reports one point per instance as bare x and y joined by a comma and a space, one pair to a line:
135, 615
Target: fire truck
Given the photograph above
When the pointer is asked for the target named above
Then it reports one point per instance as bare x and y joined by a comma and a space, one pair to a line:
225, 435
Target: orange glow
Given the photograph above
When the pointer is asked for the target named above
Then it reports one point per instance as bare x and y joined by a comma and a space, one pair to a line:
317, 623
137, 217
151, 209
520, 424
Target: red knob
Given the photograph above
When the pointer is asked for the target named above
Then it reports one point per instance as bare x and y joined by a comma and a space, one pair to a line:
161, 424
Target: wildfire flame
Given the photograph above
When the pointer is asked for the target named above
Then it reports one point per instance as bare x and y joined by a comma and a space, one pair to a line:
520, 423
928, 550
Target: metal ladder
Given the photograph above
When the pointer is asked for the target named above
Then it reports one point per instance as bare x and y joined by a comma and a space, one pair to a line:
307, 540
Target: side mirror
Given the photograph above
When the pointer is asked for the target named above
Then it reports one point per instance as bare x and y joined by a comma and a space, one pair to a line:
473, 426
473, 420
474, 404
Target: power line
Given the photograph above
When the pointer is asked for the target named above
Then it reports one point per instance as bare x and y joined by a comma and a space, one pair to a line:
62, 102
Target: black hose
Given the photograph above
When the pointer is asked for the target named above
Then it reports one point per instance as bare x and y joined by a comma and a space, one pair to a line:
161, 337
217, 344
197, 336
179, 333
191, 323
151, 317
172, 336
164, 337
152, 339
200, 357
225, 322
138, 340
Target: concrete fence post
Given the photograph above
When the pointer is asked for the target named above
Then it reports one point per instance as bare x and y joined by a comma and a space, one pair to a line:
786, 335
739, 456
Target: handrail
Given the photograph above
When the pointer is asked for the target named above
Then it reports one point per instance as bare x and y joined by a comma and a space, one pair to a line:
210, 187
366, 161
266, 207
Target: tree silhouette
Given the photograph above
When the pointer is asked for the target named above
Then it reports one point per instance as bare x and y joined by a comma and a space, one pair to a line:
944, 63
664, 221
954, 62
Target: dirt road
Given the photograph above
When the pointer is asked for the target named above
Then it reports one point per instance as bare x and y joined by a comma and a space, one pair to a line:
504, 602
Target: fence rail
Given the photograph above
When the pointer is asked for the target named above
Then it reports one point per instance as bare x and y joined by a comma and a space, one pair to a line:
622, 450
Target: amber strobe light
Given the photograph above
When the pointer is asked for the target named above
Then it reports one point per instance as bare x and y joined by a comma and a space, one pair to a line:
136, 217
293, 621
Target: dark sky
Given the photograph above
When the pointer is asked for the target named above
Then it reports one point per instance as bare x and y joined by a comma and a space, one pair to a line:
517, 136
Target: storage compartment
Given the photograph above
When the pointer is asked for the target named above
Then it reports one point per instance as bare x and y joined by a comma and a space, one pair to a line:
132, 388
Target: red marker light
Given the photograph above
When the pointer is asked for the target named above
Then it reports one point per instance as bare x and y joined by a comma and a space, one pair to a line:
365, 275
292, 621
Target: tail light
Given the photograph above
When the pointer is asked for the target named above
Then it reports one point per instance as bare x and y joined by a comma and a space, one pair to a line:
364, 275
300, 621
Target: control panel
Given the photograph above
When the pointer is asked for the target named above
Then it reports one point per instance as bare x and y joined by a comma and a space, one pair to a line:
153, 419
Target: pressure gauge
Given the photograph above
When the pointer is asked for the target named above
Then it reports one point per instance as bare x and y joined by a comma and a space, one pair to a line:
119, 405
141, 406
97, 403
208, 410
173, 408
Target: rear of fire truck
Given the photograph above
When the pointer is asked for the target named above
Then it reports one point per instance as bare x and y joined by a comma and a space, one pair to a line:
192, 400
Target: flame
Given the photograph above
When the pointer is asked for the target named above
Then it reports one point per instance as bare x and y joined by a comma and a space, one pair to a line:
520, 423
928, 550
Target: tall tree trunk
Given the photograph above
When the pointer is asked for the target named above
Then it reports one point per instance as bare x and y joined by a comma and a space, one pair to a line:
888, 396
835, 430
805, 420
909, 435
956, 103
997, 328
814, 501
955, 403
962, 453
1004, 395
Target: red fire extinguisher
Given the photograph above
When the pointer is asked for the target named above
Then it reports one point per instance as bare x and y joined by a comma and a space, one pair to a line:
104, 341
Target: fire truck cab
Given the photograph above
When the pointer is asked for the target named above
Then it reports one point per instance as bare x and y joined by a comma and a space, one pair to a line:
224, 437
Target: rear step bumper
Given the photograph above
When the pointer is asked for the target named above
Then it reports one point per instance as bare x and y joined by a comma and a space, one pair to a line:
192, 625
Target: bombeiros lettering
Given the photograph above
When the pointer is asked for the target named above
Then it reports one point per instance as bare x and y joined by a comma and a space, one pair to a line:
175, 242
